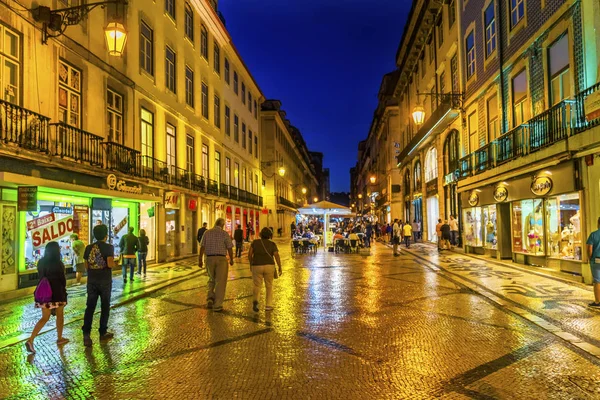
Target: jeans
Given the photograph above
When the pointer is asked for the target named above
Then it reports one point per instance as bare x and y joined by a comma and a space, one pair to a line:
128, 262
142, 261
238, 248
367, 241
95, 290
407, 241
454, 238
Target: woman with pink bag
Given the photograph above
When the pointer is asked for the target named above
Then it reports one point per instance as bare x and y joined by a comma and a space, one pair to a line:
51, 293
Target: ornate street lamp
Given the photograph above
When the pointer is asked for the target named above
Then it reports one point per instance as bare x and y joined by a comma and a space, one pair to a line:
303, 190
281, 171
418, 114
373, 179
116, 37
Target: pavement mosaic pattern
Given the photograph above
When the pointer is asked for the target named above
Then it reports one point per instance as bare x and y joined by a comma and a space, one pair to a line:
419, 326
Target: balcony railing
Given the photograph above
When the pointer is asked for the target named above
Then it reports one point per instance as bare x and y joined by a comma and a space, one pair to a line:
581, 120
285, 202
77, 144
213, 187
122, 159
23, 127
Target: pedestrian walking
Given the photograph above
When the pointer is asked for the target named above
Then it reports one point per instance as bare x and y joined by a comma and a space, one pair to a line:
445, 229
99, 261
396, 237
263, 254
51, 270
238, 236
408, 232
129, 246
453, 231
438, 232
415, 230
216, 243
143, 243
593, 248
78, 247
388, 231
201, 231
368, 234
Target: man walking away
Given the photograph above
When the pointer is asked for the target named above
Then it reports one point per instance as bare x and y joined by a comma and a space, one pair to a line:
78, 247
129, 246
388, 231
396, 237
99, 261
407, 231
216, 243
201, 232
593, 248
438, 232
238, 236
415, 229
445, 228
453, 231
368, 234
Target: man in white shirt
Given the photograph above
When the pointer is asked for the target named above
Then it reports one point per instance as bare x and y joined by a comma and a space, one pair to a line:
453, 231
396, 237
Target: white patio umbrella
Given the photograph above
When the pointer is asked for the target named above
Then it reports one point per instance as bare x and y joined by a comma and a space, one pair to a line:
326, 209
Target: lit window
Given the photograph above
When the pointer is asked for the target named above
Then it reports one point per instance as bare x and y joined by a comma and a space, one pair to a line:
473, 135
492, 113
147, 130
559, 69
189, 155
431, 169
171, 149
69, 94
10, 60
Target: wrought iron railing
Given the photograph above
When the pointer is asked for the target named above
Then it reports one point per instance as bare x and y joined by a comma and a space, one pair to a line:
156, 170
122, 159
224, 190
586, 117
23, 127
285, 202
76, 144
213, 187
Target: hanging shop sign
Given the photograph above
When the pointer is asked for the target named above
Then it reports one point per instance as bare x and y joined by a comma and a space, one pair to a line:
192, 204
114, 184
54, 231
36, 223
62, 210
473, 199
500, 193
27, 198
172, 200
541, 185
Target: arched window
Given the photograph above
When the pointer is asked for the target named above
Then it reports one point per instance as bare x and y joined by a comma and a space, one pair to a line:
431, 171
451, 153
417, 176
406, 182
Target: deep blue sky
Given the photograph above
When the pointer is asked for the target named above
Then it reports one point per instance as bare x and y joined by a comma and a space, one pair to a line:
324, 59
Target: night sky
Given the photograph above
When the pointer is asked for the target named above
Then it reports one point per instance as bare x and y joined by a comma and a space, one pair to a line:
324, 59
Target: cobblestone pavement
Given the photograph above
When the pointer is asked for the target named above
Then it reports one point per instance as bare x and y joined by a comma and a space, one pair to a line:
417, 326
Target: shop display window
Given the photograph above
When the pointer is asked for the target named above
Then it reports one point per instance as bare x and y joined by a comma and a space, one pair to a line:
472, 226
528, 227
147, 223
490, 227
563, 224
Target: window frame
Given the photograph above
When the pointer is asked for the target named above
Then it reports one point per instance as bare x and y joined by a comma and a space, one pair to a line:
471, 60
236, 128
12, 90
204, 100
170, 8
491, 35
147, 65
146, 149
113, 113
205, 166
188, 24
514, 12
216, 57
204, 42
217, 110
235, 82
226, 70
190, 156
227, 120
70, 92
170, 70
190, 98
171, 147
561, 74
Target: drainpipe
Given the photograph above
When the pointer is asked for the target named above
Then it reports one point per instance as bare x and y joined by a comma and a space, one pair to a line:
501, 62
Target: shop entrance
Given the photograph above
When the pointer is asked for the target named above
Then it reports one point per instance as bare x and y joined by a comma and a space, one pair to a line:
433, 214
172, 232
504, 242
9, 243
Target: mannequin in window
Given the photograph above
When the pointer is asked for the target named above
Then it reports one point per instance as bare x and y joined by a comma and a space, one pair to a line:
576, 222
534, 227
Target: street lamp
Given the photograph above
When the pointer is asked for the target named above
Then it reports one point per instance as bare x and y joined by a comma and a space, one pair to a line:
373, 179
303, 190
360, 195
116, 37
315, 199
418, 113
281, 171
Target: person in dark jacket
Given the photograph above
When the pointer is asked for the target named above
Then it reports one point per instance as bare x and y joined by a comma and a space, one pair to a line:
142, 251
51, 268
129, 246
201, 232
238, 236
445, 229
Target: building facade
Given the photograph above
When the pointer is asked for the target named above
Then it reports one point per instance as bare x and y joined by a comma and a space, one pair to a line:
164, 138
290, 180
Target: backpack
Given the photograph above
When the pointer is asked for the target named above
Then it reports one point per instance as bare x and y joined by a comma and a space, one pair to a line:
95, 259
43, 292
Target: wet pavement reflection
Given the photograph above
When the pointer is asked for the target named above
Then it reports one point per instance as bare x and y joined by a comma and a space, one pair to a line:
423, 325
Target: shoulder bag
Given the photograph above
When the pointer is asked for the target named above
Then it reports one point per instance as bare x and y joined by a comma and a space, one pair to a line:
275, 272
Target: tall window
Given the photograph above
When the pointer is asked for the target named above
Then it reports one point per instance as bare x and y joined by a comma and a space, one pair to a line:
470, 42
147, 130
236, 128
227, 171
473, 137
114, 116
431, 169
517, 11
243, 135
243, 93
250, 182
204, 42
244, 178
255, 110
560, 77
235, 82
255, 146
170, 8
171, 149
170, 69
249, 101
189, 86
69, 94
204, 100
440, 31
189, 22
443, 82
417, 176
249, 141
255, 183
217, 56
519, 95
492, 114
10, 60
217, 111
227, 120
227, 70
451, 152
236, 175
451, 13
205, 161
190, 162
490, 29
146, 48
454, 73
217, 167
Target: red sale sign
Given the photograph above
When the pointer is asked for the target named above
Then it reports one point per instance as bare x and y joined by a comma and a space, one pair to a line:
36, 223
53, 231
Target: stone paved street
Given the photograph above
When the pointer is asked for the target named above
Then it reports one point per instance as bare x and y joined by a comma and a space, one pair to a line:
418, 326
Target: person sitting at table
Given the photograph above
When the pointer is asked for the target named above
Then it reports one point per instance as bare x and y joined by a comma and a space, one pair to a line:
338, 235
307, 234
353, 236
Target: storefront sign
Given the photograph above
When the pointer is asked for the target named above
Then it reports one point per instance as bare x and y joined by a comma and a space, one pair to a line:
62, 210
36, 223
592, 106
27, 198
192, 204
473, 199
172, 200
500, 193
53, 231
264, 211
114, 184
541, 185
451, 178
120, 225
431, 188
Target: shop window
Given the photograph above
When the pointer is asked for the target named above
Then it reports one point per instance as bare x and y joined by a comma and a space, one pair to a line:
560, 79
10, 59
431, 171
490, 226
472, 226
114, 115
528, 227
69, 94
563, 224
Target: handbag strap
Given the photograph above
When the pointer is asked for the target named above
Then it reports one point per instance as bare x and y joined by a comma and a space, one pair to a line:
266, 251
